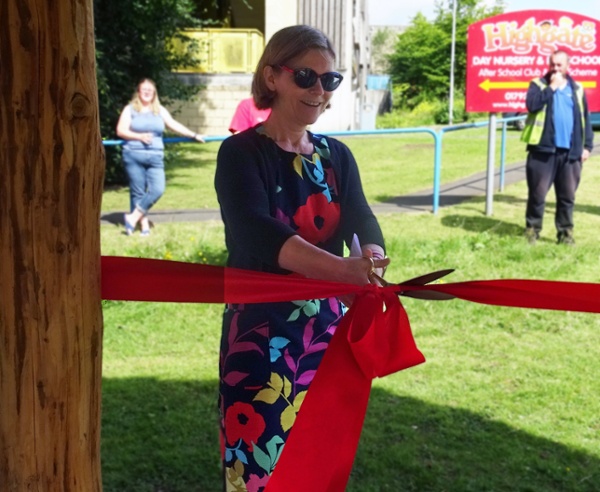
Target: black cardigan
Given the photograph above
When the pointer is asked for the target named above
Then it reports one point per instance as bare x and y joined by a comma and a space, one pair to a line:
249, 167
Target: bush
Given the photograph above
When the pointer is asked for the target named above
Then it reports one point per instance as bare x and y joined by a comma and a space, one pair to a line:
131, 44
459, 115
426, 112
423, 114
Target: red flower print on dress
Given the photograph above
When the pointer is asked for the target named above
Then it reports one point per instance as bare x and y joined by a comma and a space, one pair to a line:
318, 219
242, 422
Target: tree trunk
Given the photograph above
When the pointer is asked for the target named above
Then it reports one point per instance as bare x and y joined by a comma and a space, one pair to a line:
51, 175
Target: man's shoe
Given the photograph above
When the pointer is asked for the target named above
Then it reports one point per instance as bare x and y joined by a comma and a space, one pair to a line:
532, 235
565, 237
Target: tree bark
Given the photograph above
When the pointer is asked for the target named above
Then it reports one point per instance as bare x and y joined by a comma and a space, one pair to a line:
51, 175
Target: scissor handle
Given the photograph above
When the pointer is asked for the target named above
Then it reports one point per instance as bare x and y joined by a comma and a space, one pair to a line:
419, 281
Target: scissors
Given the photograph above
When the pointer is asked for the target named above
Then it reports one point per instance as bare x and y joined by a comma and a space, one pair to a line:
421, 280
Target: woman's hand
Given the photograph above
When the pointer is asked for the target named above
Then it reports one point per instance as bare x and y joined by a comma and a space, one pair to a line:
361, 270
299, 256
146, 138
124, 131
380, 264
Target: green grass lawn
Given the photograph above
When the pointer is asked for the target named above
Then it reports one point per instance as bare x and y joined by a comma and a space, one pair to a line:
390, 165
507, 400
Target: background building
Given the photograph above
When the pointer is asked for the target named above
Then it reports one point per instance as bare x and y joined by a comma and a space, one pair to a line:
229, 56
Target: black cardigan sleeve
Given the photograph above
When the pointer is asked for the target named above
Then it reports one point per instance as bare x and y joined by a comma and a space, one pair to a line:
356, 214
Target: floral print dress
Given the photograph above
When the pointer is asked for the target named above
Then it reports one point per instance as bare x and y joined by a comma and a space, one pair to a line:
270, 352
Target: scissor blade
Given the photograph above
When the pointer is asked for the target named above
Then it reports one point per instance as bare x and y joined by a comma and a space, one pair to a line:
431, 295
428, 277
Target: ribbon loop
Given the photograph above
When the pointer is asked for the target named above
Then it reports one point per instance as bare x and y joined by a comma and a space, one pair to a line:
379, 334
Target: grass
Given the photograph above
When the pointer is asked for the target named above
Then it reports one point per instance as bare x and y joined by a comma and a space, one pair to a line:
507, 400
390, 165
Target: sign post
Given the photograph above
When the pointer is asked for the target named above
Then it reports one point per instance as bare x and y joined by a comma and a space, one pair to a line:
489, 185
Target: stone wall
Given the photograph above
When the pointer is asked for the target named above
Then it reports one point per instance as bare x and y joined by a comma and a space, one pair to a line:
210, 112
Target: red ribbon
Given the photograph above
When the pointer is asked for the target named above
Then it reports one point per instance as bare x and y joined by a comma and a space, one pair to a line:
373, 339
369, 342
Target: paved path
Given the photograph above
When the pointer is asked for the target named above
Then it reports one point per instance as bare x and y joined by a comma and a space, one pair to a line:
422, 201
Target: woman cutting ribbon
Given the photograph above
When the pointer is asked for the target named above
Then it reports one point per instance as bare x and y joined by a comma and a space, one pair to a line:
289, 200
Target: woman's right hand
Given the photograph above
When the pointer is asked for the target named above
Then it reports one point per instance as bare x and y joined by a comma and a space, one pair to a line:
297, 255
357, 269
146, 138
301, 257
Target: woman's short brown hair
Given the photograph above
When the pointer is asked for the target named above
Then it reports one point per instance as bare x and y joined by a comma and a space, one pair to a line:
285, 45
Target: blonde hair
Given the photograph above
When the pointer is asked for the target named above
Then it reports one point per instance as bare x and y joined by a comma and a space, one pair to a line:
136, 103
285, 45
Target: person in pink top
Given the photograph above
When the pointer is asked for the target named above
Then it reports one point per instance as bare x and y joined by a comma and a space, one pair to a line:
247, 115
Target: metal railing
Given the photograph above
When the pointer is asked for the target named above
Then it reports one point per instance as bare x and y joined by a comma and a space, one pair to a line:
437, 135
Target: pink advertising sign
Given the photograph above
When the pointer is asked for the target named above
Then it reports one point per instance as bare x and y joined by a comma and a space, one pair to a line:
507, 51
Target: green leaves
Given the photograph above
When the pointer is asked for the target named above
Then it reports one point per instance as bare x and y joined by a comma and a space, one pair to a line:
131, 44
309, 308
268, 459
421, 57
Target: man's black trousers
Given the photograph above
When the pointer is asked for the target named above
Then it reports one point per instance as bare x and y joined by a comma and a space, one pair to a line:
544, 170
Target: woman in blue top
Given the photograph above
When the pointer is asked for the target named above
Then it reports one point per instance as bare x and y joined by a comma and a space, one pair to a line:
142, 124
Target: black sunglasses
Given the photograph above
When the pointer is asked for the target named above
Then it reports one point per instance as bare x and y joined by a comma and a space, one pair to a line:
307, 77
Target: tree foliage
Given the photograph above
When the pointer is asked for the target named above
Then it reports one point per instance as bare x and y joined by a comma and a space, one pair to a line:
132, 42
421, 61
382, 43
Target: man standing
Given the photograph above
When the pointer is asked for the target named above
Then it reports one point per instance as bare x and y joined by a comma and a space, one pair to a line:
559, 139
